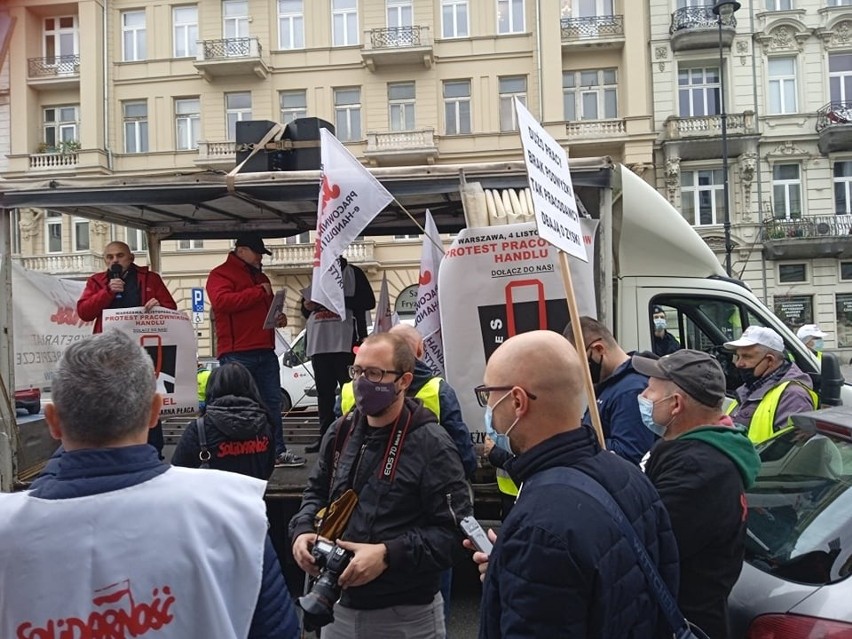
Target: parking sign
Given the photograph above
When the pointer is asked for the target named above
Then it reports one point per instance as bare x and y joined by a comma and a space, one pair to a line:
198, 300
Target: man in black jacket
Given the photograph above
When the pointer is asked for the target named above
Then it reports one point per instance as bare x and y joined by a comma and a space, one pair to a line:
411, 487
562, 567
701, 469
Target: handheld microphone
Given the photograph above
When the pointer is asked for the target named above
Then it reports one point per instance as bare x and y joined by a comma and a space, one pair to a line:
115, 273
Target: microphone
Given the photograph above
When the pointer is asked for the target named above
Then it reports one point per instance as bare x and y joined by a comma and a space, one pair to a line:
115, 272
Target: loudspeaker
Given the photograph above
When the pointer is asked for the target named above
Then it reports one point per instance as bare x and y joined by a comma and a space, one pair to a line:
305, 135
252, 132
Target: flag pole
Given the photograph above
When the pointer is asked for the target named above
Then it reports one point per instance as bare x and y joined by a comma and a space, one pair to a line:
418, 225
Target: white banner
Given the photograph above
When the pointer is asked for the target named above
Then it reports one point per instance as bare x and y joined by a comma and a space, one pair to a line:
550, 185
386, 319
44, 312
496, 282
427, 312
350, 197
169, 338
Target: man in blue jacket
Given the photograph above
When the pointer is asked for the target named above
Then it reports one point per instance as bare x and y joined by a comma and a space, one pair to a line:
562, 567
85, 547
617, 385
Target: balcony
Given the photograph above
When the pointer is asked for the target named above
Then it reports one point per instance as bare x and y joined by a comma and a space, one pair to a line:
216, 155
397, 46
67, 264
57, 160
299, 258
834, 126
595, 130
230, 57
593, 31
698, 28
704, 134
808, 237
61, 72
402, 147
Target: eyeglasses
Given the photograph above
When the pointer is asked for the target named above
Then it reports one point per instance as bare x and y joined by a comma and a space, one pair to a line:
484, 392
372, 373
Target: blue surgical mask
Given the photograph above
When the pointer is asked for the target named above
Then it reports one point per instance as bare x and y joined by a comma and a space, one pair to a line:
646, 410
501, 440
819, 344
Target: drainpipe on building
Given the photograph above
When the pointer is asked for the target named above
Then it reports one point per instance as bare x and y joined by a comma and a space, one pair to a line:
764, 297
538, 60
106, 86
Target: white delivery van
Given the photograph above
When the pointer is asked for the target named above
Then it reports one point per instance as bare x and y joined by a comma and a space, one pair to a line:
298, 390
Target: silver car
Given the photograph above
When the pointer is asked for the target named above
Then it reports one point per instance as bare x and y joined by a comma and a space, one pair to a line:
798, 557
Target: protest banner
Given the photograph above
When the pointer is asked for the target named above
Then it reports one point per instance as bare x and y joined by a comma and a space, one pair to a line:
427, 311
169, 338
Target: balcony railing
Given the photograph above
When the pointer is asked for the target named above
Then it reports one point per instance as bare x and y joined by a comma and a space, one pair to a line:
392, 37
818, 227
302, 255
231, 48
218, 152
63, 263
40, 161
697, 18
709, 125
63, 65
595, 129
834, 113
401, 141
590, 27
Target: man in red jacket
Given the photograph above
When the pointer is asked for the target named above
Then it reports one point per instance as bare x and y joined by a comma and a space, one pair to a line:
240, 295
124, 285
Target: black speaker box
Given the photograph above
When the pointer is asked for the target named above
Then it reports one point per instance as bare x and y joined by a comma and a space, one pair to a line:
252, 132
305, 135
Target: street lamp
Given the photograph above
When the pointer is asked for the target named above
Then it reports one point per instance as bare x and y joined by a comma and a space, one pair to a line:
724, 10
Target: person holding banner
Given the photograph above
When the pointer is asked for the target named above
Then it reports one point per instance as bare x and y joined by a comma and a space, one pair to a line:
124, 285
241, 296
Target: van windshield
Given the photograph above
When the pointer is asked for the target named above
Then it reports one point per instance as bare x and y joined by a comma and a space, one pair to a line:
798, 509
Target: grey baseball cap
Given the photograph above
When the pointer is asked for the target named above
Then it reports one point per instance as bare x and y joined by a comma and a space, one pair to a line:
698, 374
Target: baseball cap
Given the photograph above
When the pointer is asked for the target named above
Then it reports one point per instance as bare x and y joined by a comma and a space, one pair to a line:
656, 309
698, 374
253, 241
758, 335
809, 330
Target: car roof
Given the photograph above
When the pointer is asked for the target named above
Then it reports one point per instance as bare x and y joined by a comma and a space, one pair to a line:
835, 419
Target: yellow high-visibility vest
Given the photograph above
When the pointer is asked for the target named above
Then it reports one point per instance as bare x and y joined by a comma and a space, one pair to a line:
762, 425
201, 377
429, 394
505, 483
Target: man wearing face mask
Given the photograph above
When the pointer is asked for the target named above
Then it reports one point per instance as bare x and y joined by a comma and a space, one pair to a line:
664, 342
617, 385
411, 487
773, 387
812, 337
562, 567
701, 468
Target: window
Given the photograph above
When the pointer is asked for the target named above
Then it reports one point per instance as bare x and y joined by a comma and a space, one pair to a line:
587, 8
792, 273
293, 105
344, 22
301, 238
135, 126
843, 187
347, 114
590, 95
185, 20
15, 230
237, 109
60, 125
457, 107
291, 24
846, 270
454, 17
187, 123
786, 192
190, 244
133, 35
510, 88
844, 318
400, 13
839, 3
779, 5
840, 76
136, 239
702, 196
235, 27
81, 234
782, 85
794, 310
698, 91
60, 38
53, 232
510, 16
401, 106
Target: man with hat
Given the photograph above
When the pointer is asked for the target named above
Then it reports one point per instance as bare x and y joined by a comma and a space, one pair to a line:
664, 342
701, 468
812, 337
773, 387
240, 296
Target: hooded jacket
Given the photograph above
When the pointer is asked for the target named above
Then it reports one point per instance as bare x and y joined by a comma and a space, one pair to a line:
239, 438
412, 513
701, 477
795, 399
97, 297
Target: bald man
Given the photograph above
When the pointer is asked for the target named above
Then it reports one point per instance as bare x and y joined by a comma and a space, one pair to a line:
562, 567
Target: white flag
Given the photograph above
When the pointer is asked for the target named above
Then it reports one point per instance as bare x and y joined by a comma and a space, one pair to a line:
427, 316
349, 198
385, 317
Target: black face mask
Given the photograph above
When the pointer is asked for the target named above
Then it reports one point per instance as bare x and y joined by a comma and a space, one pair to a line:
747, 375
595, 370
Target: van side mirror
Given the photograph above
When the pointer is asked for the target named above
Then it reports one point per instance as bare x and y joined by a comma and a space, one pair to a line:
831, 381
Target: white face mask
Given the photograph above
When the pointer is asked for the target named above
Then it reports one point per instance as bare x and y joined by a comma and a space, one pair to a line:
660, 324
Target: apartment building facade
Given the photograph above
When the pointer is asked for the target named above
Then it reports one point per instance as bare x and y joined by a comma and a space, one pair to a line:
787, 74
122, 87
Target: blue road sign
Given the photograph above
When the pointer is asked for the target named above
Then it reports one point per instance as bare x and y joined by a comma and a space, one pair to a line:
198, 300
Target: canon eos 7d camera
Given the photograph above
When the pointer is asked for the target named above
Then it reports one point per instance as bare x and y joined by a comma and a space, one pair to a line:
318, 604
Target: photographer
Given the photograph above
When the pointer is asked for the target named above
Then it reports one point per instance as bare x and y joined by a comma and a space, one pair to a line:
410, 487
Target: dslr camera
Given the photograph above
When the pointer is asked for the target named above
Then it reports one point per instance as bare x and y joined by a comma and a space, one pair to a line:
318, 604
